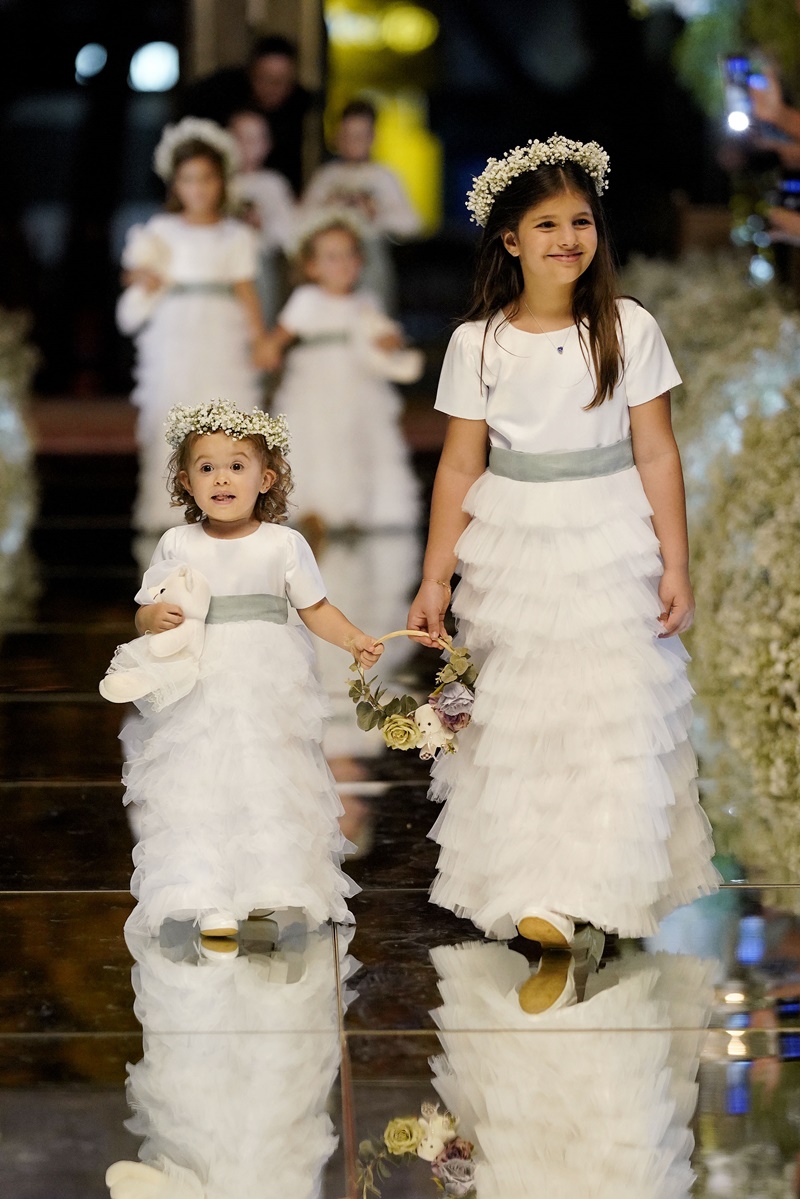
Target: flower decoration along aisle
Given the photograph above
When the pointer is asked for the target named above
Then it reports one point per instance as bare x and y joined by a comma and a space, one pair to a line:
432, 727
432, 1137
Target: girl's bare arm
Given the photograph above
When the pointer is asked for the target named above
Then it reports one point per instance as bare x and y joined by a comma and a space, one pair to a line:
329, 623
658, 460
462, 461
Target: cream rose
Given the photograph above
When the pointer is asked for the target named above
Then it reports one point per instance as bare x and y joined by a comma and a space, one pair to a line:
401, 732
403, 1135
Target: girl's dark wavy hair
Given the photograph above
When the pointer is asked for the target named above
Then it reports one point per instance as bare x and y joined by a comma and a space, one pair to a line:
194, 147
498, 280
272, 508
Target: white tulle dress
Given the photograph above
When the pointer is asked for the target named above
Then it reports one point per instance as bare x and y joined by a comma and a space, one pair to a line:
350, 461
237, 807
574, 788
593, 1098
241, 1054
195, 346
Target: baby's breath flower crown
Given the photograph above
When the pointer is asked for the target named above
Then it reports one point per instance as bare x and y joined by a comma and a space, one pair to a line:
194, 129
221, 416
499, 172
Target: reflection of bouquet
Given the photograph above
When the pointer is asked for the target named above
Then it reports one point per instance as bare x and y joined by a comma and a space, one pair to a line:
433, 1137
432, 727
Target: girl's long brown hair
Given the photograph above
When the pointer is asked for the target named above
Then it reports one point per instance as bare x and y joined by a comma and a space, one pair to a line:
499, 283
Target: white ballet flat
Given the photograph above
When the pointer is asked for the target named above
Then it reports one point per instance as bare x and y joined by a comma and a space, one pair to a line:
552, 986
550, 929
214, 923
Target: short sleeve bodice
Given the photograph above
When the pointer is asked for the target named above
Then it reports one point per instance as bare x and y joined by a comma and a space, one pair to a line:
274, 560
534, 399
311, 312
225, 252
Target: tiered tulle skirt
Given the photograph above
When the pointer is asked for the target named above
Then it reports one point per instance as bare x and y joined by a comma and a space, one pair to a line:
592, 1099
574, 788
238, 809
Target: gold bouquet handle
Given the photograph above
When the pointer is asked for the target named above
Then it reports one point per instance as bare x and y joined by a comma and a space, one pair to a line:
444, 642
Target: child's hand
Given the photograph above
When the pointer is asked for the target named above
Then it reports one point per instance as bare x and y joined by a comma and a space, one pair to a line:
145, 277
159, 618
367, 650
390, 341
428, 610
267, 353
677, 598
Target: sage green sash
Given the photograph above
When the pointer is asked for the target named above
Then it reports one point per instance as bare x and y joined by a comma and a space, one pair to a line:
226, 608
333, 338
210, 288
563, 466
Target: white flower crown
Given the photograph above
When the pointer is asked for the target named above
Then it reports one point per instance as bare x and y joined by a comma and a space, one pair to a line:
308, 225
499, 172
221, 416
191, 129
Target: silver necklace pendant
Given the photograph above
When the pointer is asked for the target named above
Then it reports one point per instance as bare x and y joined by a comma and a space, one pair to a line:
560, 349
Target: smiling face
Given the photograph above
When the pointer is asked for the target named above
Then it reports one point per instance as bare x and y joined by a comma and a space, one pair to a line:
199, 188
226, 476
555, 242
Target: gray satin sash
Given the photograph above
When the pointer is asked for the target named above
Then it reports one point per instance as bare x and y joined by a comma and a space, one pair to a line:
210, 288
227, 608
562, 467
334, 337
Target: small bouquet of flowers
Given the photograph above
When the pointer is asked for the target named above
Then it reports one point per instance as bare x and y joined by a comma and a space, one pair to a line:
431, 1136
432, 727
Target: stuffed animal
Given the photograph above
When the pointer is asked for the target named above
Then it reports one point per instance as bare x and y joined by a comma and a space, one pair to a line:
405, 365
136, 303
163, 666
434, 735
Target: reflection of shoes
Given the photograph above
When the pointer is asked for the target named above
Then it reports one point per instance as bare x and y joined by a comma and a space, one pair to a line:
214, 923
260, 913
218, 949
550, 929
552, 986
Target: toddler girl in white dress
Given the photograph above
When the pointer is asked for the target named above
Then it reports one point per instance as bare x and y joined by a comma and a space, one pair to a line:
238, 808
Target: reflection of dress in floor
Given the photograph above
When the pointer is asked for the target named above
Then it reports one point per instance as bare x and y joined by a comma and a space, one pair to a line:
238, 807
196, 345
593, 1099
241, 1053
350, 461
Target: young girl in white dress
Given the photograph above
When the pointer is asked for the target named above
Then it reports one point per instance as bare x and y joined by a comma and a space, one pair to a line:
573, 797
238, 808
341, 352
190, 302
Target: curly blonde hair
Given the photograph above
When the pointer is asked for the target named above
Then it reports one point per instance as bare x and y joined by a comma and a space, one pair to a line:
271, 507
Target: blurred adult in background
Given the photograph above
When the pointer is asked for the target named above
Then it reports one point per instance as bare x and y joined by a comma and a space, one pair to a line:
269, 84
781, 120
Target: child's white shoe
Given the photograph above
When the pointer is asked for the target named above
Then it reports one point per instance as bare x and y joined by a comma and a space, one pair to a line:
214, 923
218, 949
550, 929
137, 1180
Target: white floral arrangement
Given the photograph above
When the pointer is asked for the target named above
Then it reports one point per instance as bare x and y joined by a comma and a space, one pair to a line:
432, 727
191, 129
433, 1137
499, 172
221, 416
737, 423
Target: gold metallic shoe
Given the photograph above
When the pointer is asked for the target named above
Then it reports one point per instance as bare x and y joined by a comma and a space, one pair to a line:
550, 929
553, 985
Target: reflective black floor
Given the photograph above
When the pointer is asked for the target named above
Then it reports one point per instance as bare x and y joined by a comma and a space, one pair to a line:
275, 1069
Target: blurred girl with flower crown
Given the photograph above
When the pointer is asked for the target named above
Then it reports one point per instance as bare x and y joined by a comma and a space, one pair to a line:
189, 302
341, 357
238, 810
574, 796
